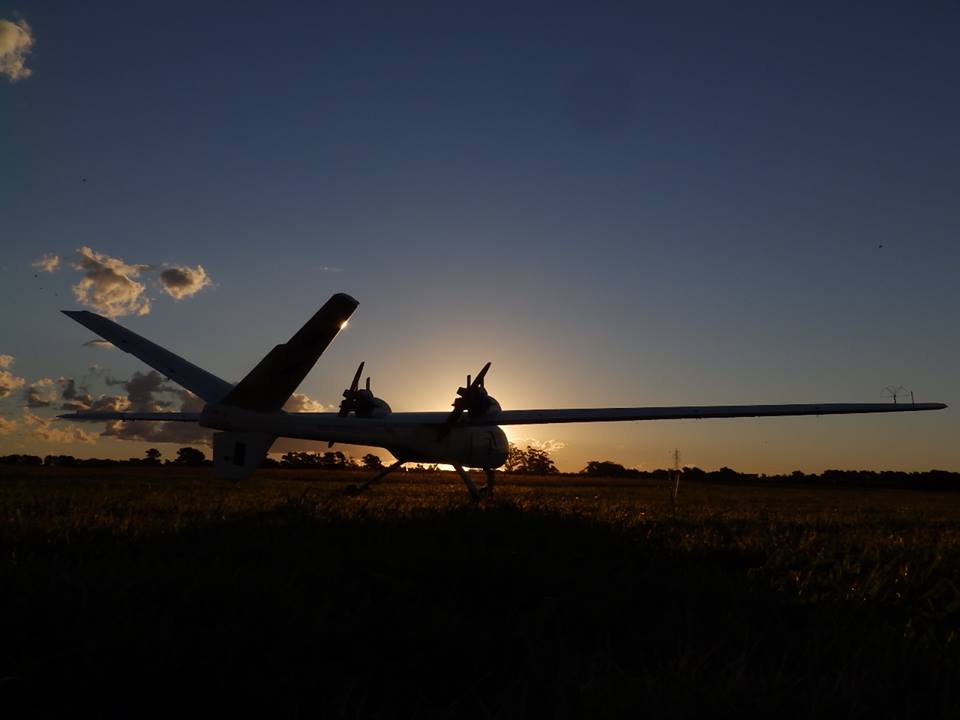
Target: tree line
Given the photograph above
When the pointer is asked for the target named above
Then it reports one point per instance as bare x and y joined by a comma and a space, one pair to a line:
524, 461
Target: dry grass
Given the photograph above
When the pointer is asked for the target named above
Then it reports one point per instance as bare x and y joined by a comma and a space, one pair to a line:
140, 591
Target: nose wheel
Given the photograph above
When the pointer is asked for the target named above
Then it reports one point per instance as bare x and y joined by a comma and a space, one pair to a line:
491, 481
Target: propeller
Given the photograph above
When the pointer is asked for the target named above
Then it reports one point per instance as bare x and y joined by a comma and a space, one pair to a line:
472, 398
360, 402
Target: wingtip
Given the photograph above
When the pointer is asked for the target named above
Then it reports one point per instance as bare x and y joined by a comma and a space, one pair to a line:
344, 297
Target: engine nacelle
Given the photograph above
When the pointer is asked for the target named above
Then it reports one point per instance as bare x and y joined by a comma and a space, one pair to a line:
478, 447
485, 447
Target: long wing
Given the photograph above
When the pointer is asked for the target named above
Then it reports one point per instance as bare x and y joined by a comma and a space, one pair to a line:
128, 416
204, 385
538, 417
580, 415
542, 417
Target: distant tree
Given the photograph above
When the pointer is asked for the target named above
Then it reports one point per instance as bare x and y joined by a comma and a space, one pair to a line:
608, 468
371, 462
725, 474
334, 460
295, 459
539, 462
152, 456
21, 460
189, 456
330, 460
515, 458
532, 461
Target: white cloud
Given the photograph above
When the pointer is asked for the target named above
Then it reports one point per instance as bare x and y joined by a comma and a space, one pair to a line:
549, 445
48, 262
109, 285
8, 381
45, 429
75, 397
302, 403
146, 393
16, 40
99, 343
181, 282
112, 286
42, 393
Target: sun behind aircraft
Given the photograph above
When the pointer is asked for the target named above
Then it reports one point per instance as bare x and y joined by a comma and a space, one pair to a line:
248, 416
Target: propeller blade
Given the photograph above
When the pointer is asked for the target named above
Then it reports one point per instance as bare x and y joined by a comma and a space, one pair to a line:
481, 374
464, 400
451, 421
356, 378
368, 384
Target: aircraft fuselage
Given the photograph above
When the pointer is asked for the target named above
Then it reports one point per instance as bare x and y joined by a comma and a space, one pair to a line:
478, 446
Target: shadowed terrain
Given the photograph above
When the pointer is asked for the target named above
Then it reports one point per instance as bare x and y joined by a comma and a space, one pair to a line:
142, 591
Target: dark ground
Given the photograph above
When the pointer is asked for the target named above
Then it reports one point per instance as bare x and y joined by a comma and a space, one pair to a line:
150, 591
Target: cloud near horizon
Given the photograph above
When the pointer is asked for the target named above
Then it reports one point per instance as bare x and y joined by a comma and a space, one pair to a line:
181, 282
142, 392
16, 41
8, 381
145, 393
303, 403
42, 393
74, 397
45, 429
548, 445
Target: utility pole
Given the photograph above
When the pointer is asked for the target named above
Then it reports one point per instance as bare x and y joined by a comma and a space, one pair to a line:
675, 489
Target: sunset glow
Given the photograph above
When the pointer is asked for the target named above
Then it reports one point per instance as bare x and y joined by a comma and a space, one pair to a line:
568, 214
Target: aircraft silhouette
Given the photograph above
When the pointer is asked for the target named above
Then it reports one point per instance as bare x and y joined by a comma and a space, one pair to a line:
248, 416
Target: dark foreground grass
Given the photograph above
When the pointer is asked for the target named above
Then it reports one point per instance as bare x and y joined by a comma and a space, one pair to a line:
174, 593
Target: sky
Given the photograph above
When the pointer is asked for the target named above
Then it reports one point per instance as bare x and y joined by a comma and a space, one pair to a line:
618, 204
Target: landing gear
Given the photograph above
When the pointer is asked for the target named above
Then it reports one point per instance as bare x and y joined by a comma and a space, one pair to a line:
491, 481
354, 489
477, 493
468, 481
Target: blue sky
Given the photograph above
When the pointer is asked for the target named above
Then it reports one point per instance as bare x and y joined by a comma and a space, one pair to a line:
617, 204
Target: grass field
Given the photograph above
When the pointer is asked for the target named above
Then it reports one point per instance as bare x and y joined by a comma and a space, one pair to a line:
144, 592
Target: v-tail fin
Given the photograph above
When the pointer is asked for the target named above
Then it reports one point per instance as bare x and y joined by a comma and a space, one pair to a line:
204, 385
268, 386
